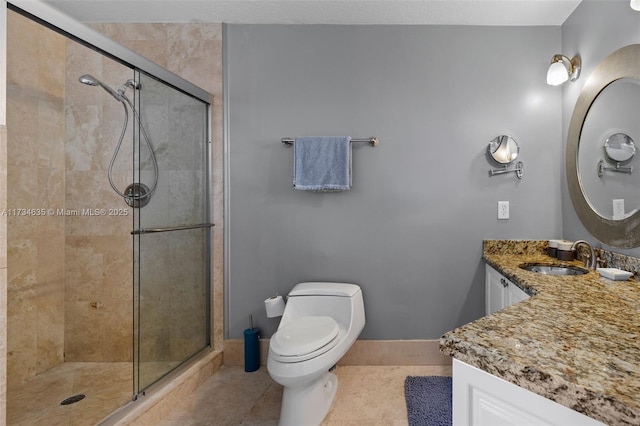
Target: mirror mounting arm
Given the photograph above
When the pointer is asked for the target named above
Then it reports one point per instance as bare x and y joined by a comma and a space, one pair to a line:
518, 170
618, 168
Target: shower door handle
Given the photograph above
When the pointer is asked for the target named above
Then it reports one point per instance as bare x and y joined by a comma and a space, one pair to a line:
171, 228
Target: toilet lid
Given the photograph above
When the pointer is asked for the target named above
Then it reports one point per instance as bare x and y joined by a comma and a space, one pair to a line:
304, 335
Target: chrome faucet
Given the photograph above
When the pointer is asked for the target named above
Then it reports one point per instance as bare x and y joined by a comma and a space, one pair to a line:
590, 261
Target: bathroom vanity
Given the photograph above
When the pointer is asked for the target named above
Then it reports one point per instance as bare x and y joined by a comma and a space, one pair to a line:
569, 354
500, 292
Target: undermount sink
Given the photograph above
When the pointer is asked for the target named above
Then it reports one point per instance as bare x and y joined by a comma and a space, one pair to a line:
551, 269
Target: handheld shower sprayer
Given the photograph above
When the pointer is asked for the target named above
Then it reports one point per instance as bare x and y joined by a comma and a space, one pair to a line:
136, 194
92, 81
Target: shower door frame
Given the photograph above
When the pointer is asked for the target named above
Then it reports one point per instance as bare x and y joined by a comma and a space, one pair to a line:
52, 18
142, 231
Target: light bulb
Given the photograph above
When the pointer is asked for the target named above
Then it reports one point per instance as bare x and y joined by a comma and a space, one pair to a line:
557, 74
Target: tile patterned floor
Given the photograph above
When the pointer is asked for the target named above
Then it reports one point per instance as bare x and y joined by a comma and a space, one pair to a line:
367, 395
107, 387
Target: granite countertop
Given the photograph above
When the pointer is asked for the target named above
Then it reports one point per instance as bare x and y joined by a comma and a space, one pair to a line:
576, 341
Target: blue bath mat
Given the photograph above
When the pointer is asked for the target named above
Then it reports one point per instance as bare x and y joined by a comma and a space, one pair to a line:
428, 400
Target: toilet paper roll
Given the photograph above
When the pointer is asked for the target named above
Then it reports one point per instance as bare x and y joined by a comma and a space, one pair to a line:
274, 306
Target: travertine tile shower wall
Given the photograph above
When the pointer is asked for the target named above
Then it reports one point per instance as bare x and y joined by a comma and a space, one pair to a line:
35, 176
173, 265
105, 244
98, 249
194, 52
3, 264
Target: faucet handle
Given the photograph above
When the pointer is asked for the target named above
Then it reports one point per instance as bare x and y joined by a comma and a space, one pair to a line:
581, 254
600, 262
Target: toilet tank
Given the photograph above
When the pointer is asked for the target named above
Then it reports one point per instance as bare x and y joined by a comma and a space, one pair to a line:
324, 289
341, 301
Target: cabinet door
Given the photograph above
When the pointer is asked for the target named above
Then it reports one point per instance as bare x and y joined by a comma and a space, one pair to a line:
500, 292
495, 291
515, 294
481, 399
486, 409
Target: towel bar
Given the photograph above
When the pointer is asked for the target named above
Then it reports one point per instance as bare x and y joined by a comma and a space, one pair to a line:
171, 228
371, 141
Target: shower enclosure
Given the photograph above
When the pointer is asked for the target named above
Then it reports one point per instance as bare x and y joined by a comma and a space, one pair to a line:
108, 241
171, 234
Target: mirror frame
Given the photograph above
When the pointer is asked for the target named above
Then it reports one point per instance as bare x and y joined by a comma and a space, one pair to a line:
623, 233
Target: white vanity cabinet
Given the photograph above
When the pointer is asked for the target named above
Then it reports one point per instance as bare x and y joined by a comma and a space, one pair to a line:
500, 292
481, 399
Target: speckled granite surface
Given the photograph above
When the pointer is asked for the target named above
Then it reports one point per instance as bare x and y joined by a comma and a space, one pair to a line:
576, 341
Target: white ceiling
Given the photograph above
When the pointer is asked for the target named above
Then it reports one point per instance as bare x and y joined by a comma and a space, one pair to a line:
407, 12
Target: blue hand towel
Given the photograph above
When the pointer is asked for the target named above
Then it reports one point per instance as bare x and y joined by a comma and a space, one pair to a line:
322, 163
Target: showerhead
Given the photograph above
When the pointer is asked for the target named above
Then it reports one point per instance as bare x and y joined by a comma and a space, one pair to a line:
92, 81
88, 79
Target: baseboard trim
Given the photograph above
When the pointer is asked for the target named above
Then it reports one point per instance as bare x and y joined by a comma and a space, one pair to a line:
363, 352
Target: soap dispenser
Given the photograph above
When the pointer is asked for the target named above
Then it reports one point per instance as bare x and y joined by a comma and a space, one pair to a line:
564, 250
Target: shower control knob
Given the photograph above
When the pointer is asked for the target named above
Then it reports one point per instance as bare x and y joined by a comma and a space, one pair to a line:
137, 195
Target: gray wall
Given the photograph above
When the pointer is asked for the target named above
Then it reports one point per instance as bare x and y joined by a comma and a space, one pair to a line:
594, 30
410, 231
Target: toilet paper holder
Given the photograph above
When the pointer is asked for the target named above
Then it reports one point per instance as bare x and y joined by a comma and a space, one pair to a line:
274, 306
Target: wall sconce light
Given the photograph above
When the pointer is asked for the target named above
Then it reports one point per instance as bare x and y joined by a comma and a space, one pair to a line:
562, 69
635, 5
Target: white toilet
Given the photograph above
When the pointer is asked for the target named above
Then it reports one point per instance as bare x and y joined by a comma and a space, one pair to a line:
320, 323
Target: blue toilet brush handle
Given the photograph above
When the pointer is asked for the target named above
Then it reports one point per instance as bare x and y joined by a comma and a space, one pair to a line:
251, 348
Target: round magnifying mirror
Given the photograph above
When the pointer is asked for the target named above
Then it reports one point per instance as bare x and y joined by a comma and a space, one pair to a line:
503, 150
619, 148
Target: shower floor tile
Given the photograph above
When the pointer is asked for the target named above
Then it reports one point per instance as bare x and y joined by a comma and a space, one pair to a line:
107, 387
370, 395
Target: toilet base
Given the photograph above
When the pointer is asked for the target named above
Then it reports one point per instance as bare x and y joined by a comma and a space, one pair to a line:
308, 405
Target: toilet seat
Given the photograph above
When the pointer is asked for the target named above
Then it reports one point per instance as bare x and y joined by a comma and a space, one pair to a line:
303, 339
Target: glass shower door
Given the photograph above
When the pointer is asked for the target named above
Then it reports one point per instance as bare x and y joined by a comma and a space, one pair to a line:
171, 231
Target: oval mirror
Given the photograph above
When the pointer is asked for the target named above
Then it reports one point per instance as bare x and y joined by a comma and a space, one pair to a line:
605, 157
619, 147
503, 150
607, 105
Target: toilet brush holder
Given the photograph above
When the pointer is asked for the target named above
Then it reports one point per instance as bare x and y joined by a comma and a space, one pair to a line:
251, 348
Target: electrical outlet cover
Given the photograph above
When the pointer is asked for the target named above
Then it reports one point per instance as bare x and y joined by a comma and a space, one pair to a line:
618, 209
503, 210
